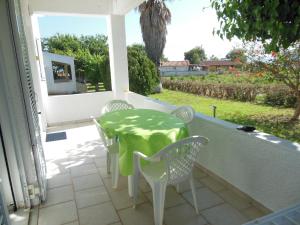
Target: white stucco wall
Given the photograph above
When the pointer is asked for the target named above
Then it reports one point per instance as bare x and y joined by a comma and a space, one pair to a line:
78, 107
67, 87
265, 167
173, 68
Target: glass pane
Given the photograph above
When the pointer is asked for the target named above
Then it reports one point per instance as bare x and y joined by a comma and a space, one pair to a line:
61, 72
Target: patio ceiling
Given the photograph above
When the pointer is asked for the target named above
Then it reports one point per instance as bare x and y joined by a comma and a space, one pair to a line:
83, 7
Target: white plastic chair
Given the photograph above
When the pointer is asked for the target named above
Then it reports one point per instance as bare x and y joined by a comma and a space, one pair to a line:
185, 113
116, 105
112, 154
171, 166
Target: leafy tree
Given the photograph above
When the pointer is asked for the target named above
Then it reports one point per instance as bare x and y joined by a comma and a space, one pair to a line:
163, 58
237, 54
61, 43
90, 53
153, 20
213, 58
282, 66
195, 55
275, 23
143, 75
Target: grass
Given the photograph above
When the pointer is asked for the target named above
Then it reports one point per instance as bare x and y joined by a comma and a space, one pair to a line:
92, 88
265, 118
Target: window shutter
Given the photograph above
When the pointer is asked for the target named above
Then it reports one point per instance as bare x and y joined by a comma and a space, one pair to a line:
3, 210
31, 104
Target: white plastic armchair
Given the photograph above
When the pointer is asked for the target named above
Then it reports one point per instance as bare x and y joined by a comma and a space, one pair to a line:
185, 113
116, 105
112, 154
171, 166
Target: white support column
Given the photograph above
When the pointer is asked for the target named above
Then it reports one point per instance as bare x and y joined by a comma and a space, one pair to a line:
118, 55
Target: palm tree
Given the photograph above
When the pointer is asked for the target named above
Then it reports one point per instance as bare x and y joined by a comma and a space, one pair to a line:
154, 19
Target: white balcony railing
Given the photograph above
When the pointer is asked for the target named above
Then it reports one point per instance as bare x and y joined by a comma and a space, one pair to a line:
263, 166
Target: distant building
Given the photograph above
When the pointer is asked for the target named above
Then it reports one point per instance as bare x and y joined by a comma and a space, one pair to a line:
217, 65
60, 73
180, 68
174, 66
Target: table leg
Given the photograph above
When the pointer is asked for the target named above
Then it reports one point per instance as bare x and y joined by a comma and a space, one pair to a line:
130, 185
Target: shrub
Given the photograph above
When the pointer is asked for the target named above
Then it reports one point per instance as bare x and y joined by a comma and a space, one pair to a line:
143, 75
274, 95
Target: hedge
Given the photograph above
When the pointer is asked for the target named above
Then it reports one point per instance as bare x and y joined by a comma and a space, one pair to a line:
274, 95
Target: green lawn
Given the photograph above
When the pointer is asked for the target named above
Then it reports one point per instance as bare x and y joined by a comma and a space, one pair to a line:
91, 87
265, 118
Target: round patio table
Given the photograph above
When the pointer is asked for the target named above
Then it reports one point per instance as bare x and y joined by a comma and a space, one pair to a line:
144, 130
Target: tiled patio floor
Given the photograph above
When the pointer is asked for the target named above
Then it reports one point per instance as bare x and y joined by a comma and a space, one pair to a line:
80, 191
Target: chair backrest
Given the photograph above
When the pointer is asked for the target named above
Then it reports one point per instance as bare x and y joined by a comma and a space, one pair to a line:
185, 113
101, 133
180, 157
116, 105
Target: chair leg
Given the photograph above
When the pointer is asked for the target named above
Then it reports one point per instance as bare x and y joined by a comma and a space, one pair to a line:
194, 194
159, 193
115, 169
135, 187
108, 162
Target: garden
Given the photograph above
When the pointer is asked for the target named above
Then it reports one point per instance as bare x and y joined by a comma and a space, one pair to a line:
270, 119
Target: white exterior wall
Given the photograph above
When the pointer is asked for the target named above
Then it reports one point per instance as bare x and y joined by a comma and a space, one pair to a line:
67, 87
173, 68
78, 107
264, 167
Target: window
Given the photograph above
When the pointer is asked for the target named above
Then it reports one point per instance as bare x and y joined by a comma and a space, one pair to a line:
61, 72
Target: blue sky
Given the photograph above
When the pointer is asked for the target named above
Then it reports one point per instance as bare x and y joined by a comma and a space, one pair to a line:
192, 25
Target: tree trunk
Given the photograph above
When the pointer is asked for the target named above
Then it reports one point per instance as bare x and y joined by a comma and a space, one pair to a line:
297, 110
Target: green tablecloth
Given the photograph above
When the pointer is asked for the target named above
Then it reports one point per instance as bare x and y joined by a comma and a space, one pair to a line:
144, 130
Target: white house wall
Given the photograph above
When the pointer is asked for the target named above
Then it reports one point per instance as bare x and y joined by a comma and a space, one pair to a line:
67, 87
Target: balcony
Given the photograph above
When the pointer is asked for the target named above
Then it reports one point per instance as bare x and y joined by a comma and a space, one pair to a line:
80, 190
240, 176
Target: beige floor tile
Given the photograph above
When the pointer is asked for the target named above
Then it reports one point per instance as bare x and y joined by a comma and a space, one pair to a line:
213, 184
59, 195
144, 185
72, 223
183, 215
199, 173
234, 199
185, 185
122, 200
88, 181
89, 197
20, 217
58, 214
59, 180
141, 215
206, 198
172, 198
252, 213
122, 184
81, 160
83, 170
116, 223
103, 172
223, 215
102, 214
100, 162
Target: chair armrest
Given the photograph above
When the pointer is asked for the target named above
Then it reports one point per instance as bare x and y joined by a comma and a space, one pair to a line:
137, 160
